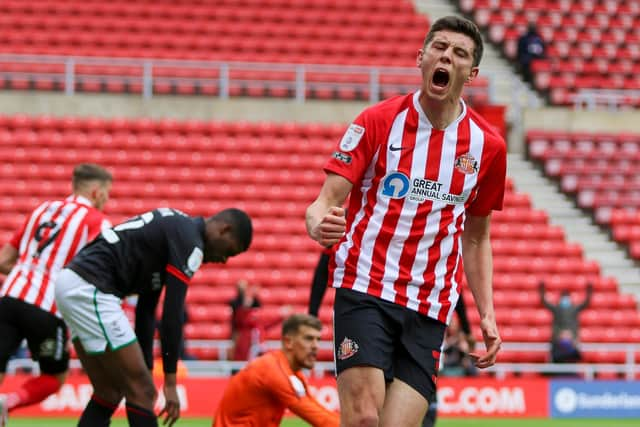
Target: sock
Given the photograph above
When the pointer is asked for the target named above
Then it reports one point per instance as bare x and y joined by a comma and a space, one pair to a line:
32, 391
97, 413
140, 417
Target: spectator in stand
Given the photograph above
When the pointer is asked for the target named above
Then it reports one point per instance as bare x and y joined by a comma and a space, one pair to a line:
530, 47
261, 392
249, 324
564, 335
49, 237
246, 327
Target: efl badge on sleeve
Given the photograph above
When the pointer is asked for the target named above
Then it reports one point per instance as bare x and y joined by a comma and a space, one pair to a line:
351, 137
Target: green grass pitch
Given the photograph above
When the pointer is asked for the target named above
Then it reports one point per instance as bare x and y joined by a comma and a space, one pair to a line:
293, 422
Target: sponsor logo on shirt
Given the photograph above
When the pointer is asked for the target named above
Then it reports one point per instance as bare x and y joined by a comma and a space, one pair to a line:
397, 185
344, 158
347, 349
467, 164
351, 137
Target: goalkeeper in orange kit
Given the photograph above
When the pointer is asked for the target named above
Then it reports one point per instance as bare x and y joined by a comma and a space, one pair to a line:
260, 393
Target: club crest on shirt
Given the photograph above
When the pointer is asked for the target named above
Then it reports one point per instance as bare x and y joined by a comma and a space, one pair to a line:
351, 137
467, 164
347, 349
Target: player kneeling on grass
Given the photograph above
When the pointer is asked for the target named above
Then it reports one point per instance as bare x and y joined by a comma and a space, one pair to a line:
163, 247
259, 394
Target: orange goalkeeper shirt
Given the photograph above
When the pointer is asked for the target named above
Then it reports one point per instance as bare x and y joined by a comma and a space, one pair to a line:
258, 395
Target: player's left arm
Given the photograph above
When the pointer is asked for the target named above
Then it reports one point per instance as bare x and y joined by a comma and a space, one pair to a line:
8, 258
478, 266
170, 337
145, 324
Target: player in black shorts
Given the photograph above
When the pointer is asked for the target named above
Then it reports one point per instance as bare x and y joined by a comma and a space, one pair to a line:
160, 248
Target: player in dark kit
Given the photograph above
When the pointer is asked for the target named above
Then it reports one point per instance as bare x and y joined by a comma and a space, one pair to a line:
163, 247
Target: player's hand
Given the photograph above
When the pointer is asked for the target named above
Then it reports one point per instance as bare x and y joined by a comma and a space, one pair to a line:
171, 409
331, 228
492, 343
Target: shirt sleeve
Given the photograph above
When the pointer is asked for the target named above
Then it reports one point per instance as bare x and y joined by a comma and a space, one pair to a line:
172, 322
292, 392
185, 258
145, 324
490, 194
185, 251
354, 152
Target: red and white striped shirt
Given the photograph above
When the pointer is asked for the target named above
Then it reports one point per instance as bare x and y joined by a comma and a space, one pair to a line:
52, 234
412, 188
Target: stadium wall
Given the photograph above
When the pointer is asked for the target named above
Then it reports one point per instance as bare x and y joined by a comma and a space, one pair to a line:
178, 107
457, 397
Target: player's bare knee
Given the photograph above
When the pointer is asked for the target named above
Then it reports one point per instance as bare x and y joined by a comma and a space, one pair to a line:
146, 392
369, 419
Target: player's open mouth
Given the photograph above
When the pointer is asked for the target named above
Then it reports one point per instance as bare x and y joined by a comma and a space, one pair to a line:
440, 78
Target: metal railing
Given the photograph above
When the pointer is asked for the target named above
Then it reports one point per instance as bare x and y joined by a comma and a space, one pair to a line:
219, 77
611, 99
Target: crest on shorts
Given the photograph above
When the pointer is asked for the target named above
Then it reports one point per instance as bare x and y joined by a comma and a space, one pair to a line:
467, 164
348, 348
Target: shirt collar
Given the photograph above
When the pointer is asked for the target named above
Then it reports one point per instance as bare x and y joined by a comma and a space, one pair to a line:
423, 116
81, 200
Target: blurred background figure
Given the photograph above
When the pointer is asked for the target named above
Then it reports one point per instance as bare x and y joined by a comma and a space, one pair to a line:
564, 335
250, 321
244, 320
456, 361
261, 392
530, 47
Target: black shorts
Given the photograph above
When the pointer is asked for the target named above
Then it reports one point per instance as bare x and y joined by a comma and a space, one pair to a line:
46, 335
403, 343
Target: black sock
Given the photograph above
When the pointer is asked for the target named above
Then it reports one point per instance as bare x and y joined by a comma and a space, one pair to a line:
97, 413
140, 417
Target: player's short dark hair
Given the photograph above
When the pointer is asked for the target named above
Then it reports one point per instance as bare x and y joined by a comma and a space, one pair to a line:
85, 172
459, 25
292, 324
241, 226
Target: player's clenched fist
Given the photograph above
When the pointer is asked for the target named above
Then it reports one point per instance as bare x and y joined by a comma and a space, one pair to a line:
331, 227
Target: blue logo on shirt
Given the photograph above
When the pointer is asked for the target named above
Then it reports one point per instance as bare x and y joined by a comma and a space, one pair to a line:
395, 185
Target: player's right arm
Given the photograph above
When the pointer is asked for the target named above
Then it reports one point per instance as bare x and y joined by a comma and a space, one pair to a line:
8, 258
325, 217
